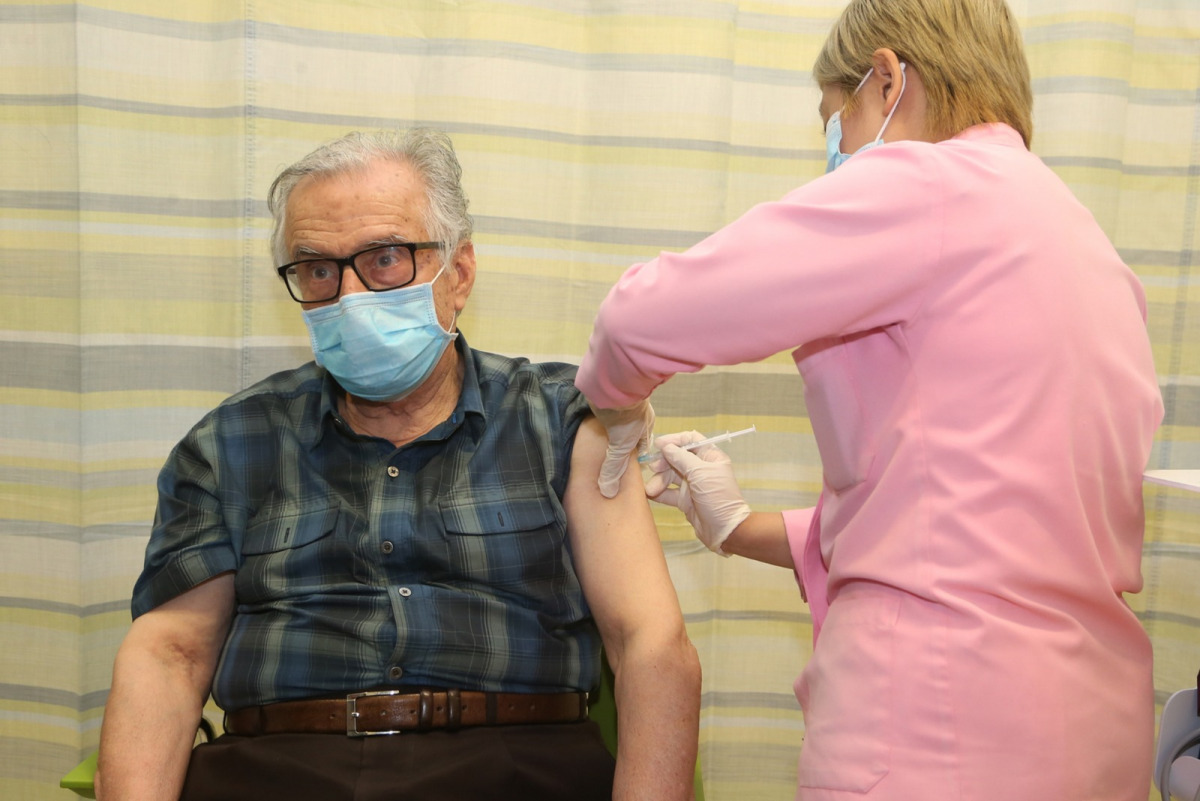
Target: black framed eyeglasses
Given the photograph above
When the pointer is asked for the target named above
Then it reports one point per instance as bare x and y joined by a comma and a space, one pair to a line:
379, 268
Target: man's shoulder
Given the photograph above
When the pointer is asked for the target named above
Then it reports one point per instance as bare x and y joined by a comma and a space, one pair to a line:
282, 390
518, 370
303, 380
541, 394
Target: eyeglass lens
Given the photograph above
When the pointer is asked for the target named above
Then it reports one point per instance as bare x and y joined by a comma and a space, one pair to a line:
383, 267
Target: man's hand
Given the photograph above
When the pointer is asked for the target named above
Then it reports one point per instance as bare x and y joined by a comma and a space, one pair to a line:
629, 431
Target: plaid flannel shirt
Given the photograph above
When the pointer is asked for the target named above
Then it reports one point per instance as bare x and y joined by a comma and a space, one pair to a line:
361, 565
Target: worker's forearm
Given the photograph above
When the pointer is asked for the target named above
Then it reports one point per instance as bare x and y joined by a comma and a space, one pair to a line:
761, 537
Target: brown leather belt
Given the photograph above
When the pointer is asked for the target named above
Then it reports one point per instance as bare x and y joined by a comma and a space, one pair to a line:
393, 712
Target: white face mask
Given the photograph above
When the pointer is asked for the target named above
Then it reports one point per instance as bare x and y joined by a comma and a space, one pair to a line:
834, 157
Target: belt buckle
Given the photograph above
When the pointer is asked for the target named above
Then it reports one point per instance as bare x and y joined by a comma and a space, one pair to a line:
352, 714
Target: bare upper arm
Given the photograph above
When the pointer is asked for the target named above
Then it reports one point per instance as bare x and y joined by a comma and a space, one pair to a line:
190, 629
616, 548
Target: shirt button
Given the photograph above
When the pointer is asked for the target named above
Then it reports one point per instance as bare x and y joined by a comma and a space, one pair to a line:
404, 592
387, 546
395, 672
393, 471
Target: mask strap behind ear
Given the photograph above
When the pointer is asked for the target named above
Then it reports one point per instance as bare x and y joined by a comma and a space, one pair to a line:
864, 80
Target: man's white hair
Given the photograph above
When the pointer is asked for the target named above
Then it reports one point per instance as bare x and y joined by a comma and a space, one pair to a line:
428, 151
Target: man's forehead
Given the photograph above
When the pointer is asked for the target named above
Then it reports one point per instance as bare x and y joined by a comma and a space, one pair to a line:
383, 184
382, 202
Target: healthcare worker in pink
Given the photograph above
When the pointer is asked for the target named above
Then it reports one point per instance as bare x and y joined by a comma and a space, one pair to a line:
980, 384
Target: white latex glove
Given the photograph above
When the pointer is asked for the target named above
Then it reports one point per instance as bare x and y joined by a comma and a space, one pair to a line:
629, 430
706, 491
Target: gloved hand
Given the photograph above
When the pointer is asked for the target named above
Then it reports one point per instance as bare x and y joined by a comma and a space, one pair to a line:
629, 430
707, 493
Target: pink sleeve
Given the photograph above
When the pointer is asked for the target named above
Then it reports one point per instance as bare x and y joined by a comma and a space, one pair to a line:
848, 252
795, 524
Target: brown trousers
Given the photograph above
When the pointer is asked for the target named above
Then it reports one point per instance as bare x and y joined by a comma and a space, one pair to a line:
547, 762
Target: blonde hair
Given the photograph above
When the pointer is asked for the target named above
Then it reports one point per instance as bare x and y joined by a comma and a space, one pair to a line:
968, 53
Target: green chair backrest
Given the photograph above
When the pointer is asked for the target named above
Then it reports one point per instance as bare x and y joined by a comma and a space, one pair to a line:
81, 777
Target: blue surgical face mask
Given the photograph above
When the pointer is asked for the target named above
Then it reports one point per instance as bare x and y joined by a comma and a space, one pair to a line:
834, 157
380, 346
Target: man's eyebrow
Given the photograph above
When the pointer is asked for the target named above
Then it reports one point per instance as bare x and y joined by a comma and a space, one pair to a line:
304, 251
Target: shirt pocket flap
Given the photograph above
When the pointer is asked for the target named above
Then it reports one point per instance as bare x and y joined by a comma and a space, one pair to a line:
505, 516
289, 531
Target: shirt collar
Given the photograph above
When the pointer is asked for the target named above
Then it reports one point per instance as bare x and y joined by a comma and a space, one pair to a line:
469, 406
470, 399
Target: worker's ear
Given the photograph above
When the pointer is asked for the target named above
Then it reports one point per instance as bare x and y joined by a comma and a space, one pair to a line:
890, 76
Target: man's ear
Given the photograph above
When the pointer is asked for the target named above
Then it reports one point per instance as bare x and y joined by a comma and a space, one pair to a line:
463, 267
886, 64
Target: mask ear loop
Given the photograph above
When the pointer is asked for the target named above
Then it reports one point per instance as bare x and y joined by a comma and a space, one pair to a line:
837, 115
857, 89
863, 81
453, 329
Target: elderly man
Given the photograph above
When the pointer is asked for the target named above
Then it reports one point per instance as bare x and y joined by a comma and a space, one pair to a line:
404, 538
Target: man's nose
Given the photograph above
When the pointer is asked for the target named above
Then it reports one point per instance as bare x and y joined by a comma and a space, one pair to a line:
351, 283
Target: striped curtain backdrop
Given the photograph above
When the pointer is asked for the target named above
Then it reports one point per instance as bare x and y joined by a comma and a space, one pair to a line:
137, 142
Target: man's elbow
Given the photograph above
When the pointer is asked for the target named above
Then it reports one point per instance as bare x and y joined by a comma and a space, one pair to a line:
689, 664
669, 655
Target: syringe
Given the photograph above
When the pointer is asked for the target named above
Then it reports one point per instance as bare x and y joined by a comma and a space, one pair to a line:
691, 446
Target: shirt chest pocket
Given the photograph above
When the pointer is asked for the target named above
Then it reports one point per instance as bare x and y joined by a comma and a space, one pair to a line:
514, 541
291, 553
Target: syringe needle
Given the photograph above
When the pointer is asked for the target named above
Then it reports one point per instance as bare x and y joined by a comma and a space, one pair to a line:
691, 446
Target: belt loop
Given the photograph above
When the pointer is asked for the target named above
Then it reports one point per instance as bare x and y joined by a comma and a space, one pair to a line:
453, 709
583, 706
425, 710
490, 704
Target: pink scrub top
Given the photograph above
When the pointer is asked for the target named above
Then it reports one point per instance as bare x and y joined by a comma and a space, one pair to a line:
982, 391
